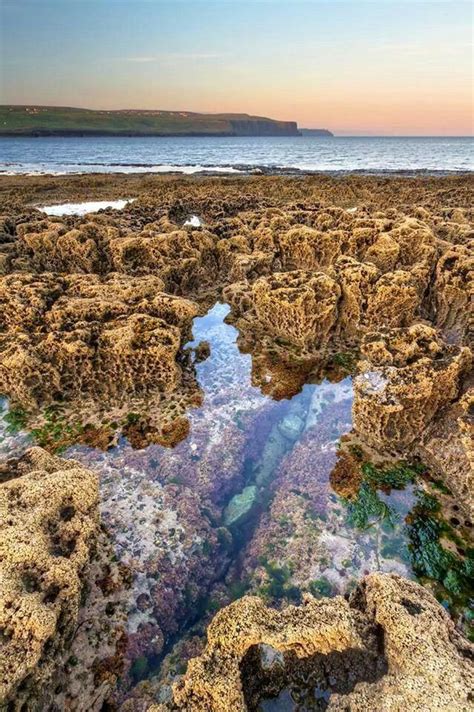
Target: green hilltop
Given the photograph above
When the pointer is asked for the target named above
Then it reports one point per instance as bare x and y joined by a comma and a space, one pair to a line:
66, 121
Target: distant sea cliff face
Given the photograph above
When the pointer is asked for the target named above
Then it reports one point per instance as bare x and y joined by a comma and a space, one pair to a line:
64, 121
315, 132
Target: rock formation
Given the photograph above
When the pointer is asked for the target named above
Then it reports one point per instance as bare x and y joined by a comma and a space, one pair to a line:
107, 340
50, 518
390, 647
454, 293
405, 400
325, 279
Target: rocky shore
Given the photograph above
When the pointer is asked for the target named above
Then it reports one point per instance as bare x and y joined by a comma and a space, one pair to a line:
267, 411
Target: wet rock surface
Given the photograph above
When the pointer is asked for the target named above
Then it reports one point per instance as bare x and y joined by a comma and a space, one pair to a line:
277, 401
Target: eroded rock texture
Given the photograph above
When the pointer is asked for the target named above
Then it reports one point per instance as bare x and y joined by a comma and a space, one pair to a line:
324, 278
98, 308
49, 514
91, 341
390, 647
407, 395
448, 447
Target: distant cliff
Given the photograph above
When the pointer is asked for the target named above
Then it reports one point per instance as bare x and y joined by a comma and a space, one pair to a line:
65, 121
315, 132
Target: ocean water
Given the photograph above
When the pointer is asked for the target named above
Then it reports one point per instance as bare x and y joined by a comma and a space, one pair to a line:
56, 155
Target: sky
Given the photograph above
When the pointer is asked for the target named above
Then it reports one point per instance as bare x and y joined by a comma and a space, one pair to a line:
356, 67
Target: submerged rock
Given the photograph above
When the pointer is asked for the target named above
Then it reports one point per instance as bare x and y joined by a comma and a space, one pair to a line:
241, 506
291, 426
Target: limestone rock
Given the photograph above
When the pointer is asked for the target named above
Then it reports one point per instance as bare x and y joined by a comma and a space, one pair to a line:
454, 293
49, 513
84, 336
407, 376
448, 447
299, 306
391, 647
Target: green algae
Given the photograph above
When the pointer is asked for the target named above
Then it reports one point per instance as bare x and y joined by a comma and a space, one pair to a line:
278, 584
451, 574
132, 418
16, 419
139, 668
368, 509
56, 433
397, 477
345, 360
237, 589
427, 540
320, 587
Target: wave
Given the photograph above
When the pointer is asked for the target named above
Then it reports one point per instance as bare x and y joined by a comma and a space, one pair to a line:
73, 168
63, 168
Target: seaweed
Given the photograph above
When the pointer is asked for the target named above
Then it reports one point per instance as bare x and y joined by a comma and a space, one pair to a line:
56, 433
452, 574
16, 419
345, 360
320, 587
367, 508
139, 668
278, 585
397, 477
237, 589
132, 419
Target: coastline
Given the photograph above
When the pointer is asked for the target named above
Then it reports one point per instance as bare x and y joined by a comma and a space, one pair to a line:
342, 188
247, 170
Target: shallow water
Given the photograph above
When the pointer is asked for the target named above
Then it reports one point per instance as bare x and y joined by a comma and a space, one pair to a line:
240, 438
196, 154
313, 700
243, 504
83, 208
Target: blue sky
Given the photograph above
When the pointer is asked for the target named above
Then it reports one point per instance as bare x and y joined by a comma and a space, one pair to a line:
394, 67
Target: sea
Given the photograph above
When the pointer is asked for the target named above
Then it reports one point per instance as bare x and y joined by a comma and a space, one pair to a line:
308, 154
